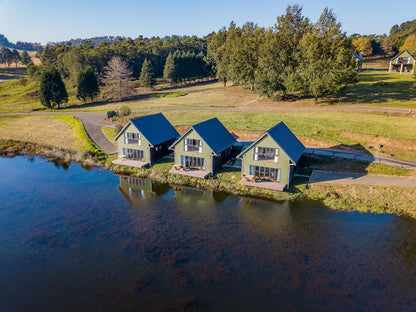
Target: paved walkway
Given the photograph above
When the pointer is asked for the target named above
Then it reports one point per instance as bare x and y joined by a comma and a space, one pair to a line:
319, 176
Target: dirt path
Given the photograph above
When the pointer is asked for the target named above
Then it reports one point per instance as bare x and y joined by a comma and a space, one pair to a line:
319, 176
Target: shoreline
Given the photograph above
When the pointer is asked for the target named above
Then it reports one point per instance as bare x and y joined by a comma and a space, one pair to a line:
396, 200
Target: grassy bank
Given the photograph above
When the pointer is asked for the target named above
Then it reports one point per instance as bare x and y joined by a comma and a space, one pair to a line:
45, 135
362, 198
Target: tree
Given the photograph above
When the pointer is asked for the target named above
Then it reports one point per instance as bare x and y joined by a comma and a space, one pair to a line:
387, 47
7, 56
87, 84
147, 78
15, 57
52, 92
25, 58
279, 55
325, 60
410, 44
116, 78
33, 71
170, 70
363, 45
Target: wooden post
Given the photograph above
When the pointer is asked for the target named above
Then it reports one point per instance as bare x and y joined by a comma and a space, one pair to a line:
401, 69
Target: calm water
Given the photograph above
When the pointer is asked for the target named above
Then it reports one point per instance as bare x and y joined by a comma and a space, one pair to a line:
77, 240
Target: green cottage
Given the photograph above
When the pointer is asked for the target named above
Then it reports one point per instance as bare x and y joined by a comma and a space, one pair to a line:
402, 63
203, 149
270, 161
145, 140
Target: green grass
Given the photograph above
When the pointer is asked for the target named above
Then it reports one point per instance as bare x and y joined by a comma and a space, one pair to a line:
170, 95
395, 91
109, 132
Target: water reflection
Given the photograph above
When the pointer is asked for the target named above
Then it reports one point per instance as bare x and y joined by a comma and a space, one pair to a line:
86, 241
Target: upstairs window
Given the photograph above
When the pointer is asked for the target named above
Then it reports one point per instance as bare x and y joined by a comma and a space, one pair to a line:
266, 154
132, 138
192, 145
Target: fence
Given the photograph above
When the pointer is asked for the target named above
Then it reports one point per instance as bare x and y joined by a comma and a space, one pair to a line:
355, 156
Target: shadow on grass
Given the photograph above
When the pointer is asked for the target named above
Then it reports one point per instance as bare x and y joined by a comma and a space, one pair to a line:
12, 73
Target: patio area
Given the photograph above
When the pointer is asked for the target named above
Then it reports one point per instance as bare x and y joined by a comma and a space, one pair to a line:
270, 185
130, 162
191, 173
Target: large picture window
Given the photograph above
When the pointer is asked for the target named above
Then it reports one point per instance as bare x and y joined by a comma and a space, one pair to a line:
132, 138
193, 162
192, 145
133, 154
266, 154
265, 173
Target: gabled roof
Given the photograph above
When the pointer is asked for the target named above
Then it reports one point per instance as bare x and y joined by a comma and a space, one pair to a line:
214, 134
285, 138
400, 53
155, 128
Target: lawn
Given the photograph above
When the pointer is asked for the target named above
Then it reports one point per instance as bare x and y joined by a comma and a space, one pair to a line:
55, 131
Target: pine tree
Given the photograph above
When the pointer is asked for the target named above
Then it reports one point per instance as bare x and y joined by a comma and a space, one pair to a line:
52, 92
170, 70
87, 84
147, 78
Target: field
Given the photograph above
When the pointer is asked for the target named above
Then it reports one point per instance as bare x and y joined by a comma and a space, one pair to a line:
333, 121
54, 131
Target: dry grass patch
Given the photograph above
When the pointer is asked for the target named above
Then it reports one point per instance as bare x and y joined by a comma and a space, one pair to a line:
52, 131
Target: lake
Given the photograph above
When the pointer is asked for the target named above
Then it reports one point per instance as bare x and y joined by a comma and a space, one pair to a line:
78, 240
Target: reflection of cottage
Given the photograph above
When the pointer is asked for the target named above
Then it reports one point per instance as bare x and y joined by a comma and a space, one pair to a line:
203, 149
271, 160
358, 58
145, 140
404, 62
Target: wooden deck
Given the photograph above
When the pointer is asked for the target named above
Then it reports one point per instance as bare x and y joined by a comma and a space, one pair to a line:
192, 173
130, 163
274, 186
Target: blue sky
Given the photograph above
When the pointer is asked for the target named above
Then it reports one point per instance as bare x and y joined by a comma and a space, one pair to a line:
56, 20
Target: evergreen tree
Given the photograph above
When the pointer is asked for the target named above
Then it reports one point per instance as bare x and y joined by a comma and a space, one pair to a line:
87, 84
25, 58
170, 70
52, 92
15, 57
325, 60
279, 55
146, 78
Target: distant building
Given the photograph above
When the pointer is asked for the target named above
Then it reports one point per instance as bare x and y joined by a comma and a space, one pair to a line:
271, 160
202, 150
404, 62
358, 58
145, 140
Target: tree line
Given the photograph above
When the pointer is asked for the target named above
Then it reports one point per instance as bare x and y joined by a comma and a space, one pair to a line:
9, 57
401, 37
293, 57
28, 46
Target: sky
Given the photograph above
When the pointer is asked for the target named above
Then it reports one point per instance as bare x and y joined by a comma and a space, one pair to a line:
55, 20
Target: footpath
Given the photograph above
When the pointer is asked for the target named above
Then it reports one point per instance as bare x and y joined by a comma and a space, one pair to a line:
319, 176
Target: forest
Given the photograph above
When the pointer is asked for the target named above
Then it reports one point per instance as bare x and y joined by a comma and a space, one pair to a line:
295, 57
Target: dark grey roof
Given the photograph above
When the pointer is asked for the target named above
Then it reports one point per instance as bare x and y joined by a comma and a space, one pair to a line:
155, 128
214, 134
285, 138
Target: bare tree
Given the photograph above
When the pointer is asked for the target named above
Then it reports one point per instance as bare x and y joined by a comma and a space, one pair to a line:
116, 78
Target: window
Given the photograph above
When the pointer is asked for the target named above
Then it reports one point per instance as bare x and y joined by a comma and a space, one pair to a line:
193, 162
132, 138
192, 145
133, 154
266, 154
266, 173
